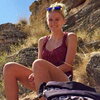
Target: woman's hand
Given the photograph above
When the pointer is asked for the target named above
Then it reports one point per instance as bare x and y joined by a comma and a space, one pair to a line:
31, 78
31, 81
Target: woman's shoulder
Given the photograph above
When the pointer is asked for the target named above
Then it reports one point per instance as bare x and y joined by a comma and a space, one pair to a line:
42, 39
71, 36
70, 33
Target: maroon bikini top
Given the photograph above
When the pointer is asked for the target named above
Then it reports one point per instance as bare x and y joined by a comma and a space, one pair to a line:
56, 56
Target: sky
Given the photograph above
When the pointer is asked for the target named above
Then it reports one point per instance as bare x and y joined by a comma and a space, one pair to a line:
13, 10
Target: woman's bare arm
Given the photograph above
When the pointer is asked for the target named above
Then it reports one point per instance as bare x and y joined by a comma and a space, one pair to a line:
40, 46
71, 52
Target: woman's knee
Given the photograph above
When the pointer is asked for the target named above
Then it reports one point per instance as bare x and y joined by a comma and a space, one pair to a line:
39, 63
9, 67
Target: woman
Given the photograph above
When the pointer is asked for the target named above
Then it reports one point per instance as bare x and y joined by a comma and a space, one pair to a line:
55, 57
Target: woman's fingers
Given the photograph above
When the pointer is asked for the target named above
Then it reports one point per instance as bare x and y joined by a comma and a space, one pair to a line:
31, 77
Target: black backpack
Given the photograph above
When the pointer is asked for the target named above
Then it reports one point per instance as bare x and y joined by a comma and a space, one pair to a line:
67, 91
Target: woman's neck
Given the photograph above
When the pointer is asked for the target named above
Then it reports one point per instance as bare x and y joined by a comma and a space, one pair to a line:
56, 35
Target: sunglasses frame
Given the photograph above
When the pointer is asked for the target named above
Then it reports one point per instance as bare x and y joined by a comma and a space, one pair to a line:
54, 8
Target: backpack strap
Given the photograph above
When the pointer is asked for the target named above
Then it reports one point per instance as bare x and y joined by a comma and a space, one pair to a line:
72, 85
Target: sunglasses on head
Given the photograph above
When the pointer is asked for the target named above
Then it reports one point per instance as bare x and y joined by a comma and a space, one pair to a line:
54, 8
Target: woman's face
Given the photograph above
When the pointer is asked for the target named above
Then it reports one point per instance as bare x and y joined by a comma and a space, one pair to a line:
55, 21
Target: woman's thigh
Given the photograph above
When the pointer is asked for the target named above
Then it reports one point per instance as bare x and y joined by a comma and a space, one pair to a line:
55, 73
20, 72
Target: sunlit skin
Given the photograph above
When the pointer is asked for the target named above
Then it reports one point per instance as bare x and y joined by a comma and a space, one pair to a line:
55, 22
42, 70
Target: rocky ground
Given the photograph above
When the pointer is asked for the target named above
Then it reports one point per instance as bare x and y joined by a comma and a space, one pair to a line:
83, 15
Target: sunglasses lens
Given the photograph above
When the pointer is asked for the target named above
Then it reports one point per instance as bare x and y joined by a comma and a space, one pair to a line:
49, 9
57, 8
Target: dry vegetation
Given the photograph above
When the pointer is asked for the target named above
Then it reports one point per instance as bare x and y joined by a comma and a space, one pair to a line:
39, 29
80, 72
34, 34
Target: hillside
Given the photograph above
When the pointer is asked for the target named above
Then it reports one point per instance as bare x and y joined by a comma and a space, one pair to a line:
18, 42
83, 14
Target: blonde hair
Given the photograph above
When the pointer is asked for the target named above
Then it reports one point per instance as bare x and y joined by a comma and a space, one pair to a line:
63, 9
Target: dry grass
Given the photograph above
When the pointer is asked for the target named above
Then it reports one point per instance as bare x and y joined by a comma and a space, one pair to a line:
88, 37
35, 33
96, 35
80, 74
29, 96
39, 30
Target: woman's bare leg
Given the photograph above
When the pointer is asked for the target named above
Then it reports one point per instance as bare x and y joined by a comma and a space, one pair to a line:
12, 73
45, 71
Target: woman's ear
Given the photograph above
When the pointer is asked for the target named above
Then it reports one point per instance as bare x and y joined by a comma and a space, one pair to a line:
65, 21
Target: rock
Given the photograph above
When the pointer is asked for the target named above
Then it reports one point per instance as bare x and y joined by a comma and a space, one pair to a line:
85, 47
83, 14
95, 45
73, 3
86, 17
10, 34
25, 56
93, 69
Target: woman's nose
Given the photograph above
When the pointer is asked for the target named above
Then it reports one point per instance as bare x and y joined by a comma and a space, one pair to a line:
54, 22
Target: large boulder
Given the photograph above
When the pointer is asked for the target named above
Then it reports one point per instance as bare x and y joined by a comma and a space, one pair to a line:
83, 14
25, 56
85, 17
93, 70
10, 34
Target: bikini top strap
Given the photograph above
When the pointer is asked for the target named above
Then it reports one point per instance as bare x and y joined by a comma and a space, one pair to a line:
45, 41
65, 37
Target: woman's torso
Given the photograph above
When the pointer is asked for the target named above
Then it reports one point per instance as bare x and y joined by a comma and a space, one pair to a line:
56, 56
